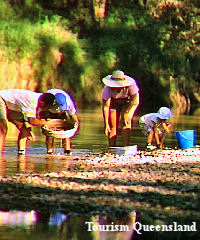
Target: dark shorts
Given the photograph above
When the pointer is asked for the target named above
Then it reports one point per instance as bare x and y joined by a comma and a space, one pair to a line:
119, 104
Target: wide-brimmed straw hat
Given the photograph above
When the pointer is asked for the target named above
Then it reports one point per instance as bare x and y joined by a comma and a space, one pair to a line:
118, 79
164, 113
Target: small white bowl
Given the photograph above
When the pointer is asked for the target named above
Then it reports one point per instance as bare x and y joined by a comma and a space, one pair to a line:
124, 150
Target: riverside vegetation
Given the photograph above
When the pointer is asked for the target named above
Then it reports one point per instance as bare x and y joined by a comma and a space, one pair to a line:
73, 44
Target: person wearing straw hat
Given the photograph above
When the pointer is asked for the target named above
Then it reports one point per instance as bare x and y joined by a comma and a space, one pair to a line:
120, 99
155, 126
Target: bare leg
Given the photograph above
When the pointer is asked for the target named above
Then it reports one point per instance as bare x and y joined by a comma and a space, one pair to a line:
114, 122
66, 145
157, 138
22, 137
162, 139
3, 133
112, 141
50, 144
25, 134
126, 135
150, 137
22, 141
126, 132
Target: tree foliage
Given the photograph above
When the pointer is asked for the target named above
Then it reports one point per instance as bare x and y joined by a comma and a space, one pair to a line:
150, 40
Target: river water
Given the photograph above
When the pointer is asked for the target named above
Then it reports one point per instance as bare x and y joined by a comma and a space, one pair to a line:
90, 139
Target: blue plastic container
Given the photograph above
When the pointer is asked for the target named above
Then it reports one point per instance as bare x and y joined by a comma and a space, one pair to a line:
186, 139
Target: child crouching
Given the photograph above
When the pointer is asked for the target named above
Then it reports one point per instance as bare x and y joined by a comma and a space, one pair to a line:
156, 126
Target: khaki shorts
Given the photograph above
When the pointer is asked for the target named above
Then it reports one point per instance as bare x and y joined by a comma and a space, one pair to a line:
7, 114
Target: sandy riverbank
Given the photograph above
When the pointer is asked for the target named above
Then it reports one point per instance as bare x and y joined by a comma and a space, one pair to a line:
163, 180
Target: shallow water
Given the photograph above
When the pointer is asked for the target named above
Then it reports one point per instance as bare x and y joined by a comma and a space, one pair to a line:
89, 140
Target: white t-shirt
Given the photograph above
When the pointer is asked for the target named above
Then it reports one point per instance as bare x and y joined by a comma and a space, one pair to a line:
149, 119
21, 100
70, 104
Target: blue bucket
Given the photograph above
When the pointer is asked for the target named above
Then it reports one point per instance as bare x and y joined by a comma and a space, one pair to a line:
186, 139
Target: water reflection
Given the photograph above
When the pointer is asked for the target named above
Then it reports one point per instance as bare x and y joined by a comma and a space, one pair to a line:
18, 218
10, 165
64, 227
57, 219
89, 140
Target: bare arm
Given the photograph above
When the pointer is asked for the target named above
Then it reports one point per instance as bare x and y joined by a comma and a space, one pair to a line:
74, 118
133, 103
157, 136
37, 122
106, 109
128, 115
167, 127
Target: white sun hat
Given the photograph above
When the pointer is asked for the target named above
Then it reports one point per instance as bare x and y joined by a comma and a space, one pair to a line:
164, 113
118, 79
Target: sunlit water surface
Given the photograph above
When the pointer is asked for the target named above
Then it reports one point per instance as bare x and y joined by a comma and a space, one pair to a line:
89, 140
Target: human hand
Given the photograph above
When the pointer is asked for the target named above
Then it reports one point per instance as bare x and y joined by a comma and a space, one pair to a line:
107, 129
31, 135
46, 121
76, 125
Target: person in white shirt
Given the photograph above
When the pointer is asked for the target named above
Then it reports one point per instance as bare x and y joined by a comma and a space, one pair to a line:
155, 126
21, 107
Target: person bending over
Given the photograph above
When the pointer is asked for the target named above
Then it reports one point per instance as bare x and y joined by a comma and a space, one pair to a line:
65, 110
21, 107
120, 100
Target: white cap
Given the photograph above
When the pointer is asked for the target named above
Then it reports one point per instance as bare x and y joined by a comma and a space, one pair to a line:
164, 113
